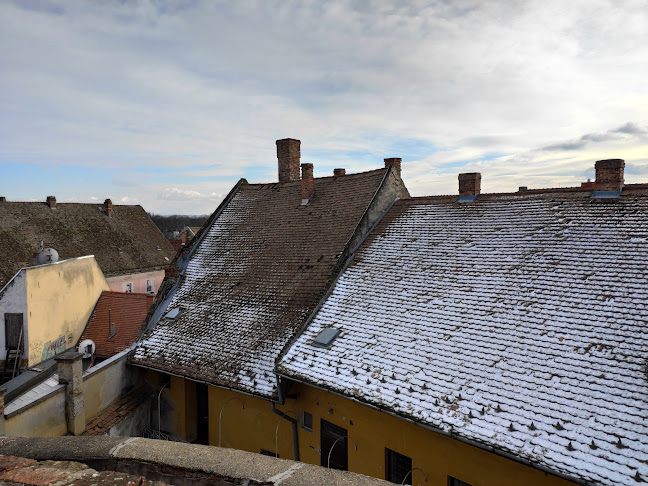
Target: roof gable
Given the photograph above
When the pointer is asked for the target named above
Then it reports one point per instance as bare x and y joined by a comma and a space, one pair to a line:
517, 322
126, 242
126, 312
257, 273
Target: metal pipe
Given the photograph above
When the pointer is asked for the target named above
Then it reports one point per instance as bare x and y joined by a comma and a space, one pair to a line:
294, 428
159, 414
220, 415
328, 461
281, 417
411, 471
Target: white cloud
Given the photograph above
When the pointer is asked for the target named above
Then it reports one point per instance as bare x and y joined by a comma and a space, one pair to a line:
204, 88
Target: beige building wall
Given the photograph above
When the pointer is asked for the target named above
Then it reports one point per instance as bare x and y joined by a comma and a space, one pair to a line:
140, 283
60, 299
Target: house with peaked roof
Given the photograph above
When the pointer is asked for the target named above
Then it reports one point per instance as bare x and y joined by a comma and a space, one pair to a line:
116, 322
130, 250
486, 339
44, 309
243, 286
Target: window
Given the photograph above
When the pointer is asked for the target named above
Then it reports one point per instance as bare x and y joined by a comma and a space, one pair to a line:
111, 333
306, 421
128, 287
333, 445
399, 467
456, 482
150, 284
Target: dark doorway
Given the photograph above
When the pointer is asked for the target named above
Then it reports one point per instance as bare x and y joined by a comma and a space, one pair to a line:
333, 441
202, 413
13, 328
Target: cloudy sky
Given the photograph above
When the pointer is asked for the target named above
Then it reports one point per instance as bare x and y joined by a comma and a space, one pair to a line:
168, 104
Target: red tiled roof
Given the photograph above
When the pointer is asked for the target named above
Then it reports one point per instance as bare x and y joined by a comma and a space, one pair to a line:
127, 242
127, 312
262, 266
115, 413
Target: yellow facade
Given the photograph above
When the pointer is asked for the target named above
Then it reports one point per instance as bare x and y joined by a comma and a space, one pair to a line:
60, 300
249, 424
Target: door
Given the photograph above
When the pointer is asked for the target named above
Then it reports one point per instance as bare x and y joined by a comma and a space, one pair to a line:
333, 443
13, 327
202, 412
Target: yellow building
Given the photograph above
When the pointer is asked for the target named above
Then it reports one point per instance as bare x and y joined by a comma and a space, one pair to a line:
45, 308
470, 340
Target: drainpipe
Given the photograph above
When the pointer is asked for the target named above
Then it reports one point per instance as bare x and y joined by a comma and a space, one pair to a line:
288, 418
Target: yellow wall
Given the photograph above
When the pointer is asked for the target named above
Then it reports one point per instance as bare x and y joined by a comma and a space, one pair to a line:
45, 419
102, 386
253, 428
60, 299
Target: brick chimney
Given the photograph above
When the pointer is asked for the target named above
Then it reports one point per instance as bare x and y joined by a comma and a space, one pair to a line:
306, 183
469, 184
609, 175
339, 172
51, 202
394, 162
108, 208
288, 155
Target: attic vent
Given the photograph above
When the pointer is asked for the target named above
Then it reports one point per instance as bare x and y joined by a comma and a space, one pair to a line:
173, 313
326, 337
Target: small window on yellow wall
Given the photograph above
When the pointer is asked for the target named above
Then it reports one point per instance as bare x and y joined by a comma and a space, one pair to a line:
456, 482
399, 467
128, 287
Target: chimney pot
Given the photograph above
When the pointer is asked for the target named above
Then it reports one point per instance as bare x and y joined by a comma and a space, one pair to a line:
306, 183
51, 202
609, 175
339, 172
523, 189
108, 207
394, 162
288, 156
469, 184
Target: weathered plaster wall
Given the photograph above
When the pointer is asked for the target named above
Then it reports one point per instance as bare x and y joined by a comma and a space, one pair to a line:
60, 300
103, 384
43, 419
12, 300
138, 281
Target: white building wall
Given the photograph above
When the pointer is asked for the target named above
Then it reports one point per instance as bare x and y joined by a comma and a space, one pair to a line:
13, 299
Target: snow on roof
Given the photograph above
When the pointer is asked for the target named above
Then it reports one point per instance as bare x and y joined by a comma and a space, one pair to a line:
519, 322
260, 270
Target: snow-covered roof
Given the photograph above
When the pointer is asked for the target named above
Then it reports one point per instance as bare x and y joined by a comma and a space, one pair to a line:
253, 279
517, 322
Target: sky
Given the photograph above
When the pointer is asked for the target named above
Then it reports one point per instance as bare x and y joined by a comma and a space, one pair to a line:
169, 104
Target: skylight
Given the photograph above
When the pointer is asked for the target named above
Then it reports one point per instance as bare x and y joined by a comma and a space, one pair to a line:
326, 337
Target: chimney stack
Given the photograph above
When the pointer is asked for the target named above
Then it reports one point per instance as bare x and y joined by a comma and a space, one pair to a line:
108, 208
339, 172
306, 183
609, 175
394, 162
51, 202
3, 199
469, 184
288, 155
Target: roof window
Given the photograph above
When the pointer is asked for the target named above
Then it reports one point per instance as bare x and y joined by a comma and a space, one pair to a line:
173, 313
326, 337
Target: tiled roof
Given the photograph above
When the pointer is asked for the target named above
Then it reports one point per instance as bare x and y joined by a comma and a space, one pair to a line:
116, 413
125, 243
127, 312
519, 322
260, 270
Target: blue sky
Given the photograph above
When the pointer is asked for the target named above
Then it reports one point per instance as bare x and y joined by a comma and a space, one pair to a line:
168, 104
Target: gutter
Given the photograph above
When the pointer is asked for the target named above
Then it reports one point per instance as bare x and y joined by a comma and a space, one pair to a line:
487, 448
283, 415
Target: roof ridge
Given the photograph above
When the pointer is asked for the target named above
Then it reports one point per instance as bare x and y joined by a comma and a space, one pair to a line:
347, 176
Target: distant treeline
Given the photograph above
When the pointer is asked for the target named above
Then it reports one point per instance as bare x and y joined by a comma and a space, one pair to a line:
176, 222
